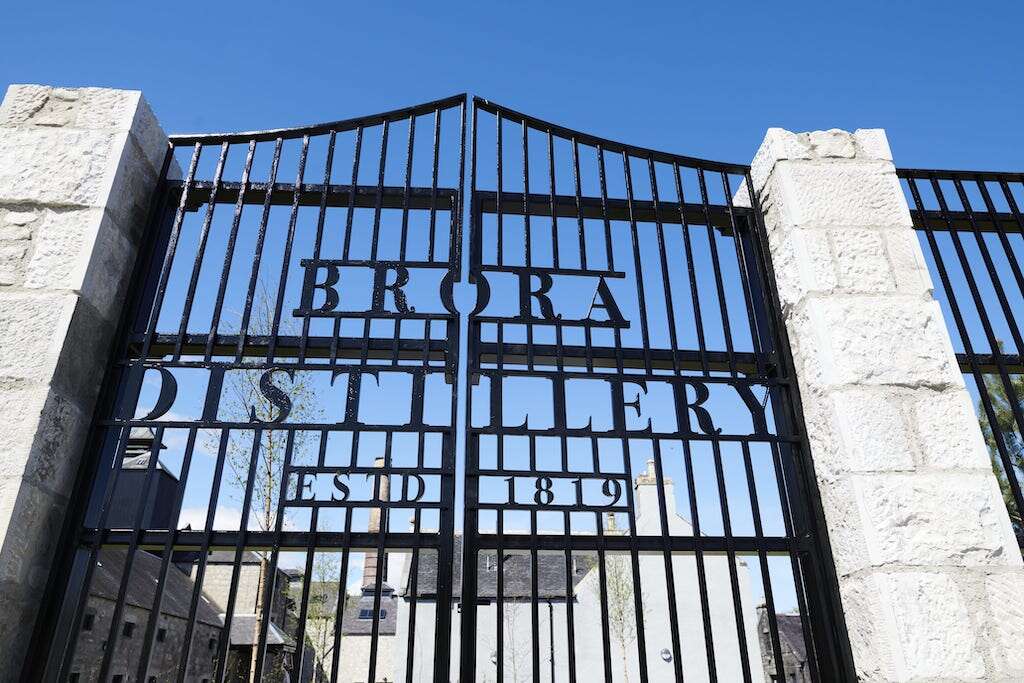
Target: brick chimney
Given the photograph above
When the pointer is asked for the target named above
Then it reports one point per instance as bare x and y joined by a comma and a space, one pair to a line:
370, 563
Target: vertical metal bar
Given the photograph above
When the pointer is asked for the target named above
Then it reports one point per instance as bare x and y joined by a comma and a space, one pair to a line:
240, 543
670, 580
261, 235
115, 620
275, 325
773, 626
200, 252
204, 553
229, 252
470, 525
352, 188
379, 558
270, 578
431, 237
339, 609
691, 273
318, 242
165, 560
620, 415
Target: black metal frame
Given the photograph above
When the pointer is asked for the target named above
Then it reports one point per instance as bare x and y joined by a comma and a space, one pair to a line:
970, 250
768, 364
139, 345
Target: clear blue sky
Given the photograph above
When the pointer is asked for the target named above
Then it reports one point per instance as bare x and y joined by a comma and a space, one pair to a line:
704, 79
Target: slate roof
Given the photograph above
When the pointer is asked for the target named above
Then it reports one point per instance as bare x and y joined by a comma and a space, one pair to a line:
791, 635
142, 582
388, 626
517, 575
243, 632
228, 557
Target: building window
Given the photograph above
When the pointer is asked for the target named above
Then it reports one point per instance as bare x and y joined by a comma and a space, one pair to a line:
87, 621
368, 613
128, 629
117, 679
213, 643
161, 635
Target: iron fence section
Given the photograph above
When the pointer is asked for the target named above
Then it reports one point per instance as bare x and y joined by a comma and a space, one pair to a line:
972, 232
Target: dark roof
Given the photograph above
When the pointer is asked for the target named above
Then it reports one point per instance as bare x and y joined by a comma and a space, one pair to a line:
517, 574
351, 624
142, 582
244, 632
791, 635
228, 557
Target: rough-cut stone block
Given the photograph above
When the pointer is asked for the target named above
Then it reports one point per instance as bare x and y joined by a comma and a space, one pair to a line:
838, 195
947, 431
37, 514
85, 108
872, 144
12, 262
29, 321
936, 519
847, 536
872, 340
778, 144
131, 191
861, 262
80, 366
806, 258
873, 432
58, 167
908, 264
832, 143
928, 618
82, 250
887, 638
17, 224
44, 430
1004, 593
872, 641
148, 137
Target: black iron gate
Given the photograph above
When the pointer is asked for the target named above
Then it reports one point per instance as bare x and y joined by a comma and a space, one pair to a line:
274, 490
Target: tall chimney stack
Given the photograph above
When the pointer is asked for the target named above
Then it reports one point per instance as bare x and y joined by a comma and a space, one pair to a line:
370, 563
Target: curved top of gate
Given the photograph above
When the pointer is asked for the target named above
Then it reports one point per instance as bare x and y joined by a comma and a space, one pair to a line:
321, 128
606, 144
480, 103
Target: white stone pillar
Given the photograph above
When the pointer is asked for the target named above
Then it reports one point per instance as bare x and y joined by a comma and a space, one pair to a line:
930, 575
77, 171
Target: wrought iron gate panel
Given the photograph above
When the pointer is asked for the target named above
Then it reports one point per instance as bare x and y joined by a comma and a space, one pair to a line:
619, 290
249, 383
282, 393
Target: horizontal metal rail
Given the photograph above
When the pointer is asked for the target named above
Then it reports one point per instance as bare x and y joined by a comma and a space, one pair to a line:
311, 194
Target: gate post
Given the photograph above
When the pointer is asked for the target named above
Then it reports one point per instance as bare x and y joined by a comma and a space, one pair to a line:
930, 575
78, 167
